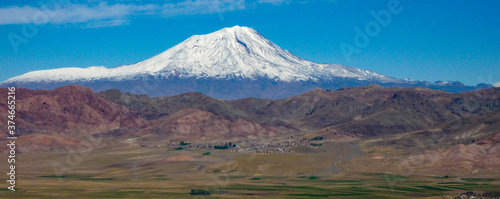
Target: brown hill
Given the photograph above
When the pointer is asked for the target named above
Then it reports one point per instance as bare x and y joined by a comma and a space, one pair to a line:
155, 108
66, 111
362, 111
481, 157
68, 108
202, 126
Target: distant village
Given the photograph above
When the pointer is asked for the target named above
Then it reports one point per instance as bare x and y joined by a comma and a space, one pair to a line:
247, 145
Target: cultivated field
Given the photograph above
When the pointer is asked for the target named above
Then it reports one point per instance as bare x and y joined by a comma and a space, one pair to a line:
333, 170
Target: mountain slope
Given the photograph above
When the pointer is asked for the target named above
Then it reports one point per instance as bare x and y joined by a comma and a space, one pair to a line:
63, 117
66, 108
202, 126
362, 111
231, 63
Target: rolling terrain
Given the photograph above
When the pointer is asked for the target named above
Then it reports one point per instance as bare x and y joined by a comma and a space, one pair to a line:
361, 142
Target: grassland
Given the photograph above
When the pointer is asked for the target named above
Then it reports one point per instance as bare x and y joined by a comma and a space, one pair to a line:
145, 172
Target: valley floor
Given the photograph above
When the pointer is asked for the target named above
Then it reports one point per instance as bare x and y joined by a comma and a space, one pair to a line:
333, 170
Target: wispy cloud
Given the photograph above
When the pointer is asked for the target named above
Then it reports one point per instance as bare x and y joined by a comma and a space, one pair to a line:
104, 14
73, 13
275, 2
106, 23
195, 7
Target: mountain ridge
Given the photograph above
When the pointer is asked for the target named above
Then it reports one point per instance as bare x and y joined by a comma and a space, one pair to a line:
360, 112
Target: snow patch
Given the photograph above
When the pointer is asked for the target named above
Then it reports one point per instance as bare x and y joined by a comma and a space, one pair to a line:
497, 84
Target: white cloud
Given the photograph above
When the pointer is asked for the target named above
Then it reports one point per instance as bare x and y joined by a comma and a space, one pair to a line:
104, 14
106, 23
72, 13
194, 7
275, 2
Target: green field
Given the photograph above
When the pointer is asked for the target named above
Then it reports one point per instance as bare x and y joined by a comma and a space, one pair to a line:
153, 173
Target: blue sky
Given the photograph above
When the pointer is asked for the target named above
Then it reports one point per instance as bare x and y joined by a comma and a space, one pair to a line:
424, 40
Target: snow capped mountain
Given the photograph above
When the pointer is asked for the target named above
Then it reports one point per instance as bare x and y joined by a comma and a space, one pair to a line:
497, 84
230, 53
231, 63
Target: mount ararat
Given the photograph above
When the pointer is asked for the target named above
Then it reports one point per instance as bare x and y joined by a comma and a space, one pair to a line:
231, 63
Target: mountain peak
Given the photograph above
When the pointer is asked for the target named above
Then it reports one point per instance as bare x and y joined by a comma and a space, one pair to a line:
237, 32
230, 53
231, 32
233, 53
238, 29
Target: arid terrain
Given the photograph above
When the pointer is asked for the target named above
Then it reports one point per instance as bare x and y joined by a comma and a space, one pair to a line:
361, 142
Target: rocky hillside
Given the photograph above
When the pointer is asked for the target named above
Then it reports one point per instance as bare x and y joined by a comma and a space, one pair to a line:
360, 111
402, 115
